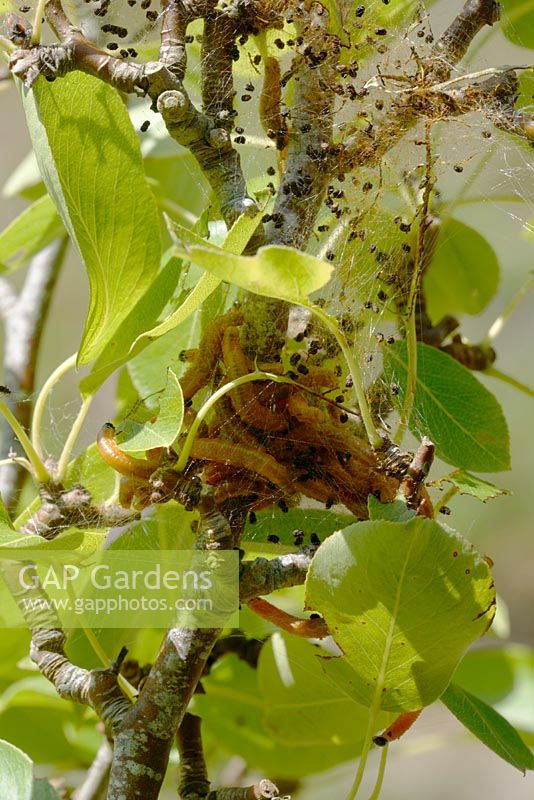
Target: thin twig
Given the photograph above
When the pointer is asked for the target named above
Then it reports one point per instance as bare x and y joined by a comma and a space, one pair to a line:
42, 398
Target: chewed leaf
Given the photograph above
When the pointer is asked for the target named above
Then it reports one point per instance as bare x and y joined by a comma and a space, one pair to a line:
274, 271
471, 485
453, 408
403, 601
167, 424
90, 161
489, 726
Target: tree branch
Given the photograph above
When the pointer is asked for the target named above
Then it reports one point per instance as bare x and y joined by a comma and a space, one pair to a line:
143, 744
63, 508
211, 145
264, 790
366, 148
173, 53
202, 134
24, 318
307, 170
98, 688
143, 733
263, 576
95, 782
193, 781
454, 43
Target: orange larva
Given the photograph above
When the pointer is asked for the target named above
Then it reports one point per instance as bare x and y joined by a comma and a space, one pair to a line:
308, 628
209, 349
399, 727
242, 457
119, 460
244, 397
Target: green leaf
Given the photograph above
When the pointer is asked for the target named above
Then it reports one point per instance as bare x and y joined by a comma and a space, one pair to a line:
403, 601
32, 692
397, 12
90, 470
81, 650
206, 285
148, 369
85, 540
5, 519
16, 777
83, 737
25, 179
9, 537
303, 704
308, 520
232, 712
164, 430
488, 726
452, 407
235, 242
143, 315
42, 790
168, 529
464, 274
518, 22
274, 271
180, 186
30, 232
504, 678
394, 512
335, 21
39, 732
15, 648
471, 485
92, 167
